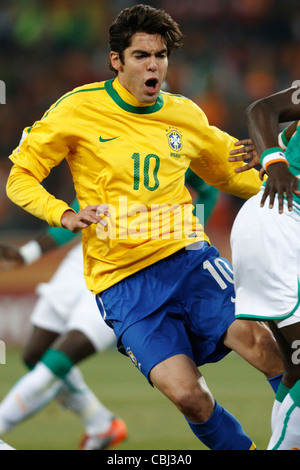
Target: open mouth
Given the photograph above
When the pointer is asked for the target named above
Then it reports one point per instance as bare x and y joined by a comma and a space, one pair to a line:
151, 84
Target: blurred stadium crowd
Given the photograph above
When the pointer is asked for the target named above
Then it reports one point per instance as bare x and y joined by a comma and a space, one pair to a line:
235, 51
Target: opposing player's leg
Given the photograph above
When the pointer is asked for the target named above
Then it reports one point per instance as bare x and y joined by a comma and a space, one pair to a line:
13, 407
86, 334
255, 342
52, 358
286, 409
56, 376
39, 341
102, 427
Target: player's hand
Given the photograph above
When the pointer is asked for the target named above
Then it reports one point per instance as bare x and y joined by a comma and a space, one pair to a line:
282, 182
245, 151
10, 257
76, 222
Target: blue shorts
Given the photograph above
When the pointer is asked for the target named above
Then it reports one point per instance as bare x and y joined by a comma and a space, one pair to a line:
183, 304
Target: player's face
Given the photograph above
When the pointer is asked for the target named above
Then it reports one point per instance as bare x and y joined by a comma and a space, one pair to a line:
145, 66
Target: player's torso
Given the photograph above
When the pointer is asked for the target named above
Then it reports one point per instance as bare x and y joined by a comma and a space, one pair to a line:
140, 157
135, 160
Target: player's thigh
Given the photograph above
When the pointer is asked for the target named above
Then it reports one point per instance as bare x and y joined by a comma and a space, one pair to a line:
175, 373
74, 344
243, 335
39, 341
154, 339
255, 342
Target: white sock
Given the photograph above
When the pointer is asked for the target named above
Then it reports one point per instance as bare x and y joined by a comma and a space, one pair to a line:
77, 396
39, 386
33, 391
286, 433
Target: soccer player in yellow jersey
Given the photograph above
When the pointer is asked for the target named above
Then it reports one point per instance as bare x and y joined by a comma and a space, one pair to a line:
159, 283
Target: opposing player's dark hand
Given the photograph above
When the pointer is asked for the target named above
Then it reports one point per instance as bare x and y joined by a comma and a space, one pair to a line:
10, 257
245, 152
281, 182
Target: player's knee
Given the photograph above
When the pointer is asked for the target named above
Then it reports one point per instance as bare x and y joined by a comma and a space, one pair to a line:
195, 403
291, 373
267, 352
265, 344
30, 358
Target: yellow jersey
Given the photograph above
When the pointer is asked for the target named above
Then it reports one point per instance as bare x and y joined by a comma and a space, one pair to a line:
132, 157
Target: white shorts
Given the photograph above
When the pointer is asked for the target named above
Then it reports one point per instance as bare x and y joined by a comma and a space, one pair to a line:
266, 262
66, 304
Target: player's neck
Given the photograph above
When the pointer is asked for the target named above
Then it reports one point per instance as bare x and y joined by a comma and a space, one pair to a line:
127, 96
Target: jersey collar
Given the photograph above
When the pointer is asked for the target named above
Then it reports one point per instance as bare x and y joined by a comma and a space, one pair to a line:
121, 97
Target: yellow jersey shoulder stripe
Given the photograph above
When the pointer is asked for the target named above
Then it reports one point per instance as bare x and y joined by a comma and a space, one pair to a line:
77, 90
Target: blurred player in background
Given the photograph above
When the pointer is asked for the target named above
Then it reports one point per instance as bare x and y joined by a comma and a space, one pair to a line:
265, 244
67, 328
168, 295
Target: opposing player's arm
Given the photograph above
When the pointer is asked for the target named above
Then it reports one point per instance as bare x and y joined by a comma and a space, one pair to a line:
49, 239
263, 118
264, 115
12, 257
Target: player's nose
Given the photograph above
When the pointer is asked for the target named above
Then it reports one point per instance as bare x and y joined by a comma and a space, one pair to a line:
152, 64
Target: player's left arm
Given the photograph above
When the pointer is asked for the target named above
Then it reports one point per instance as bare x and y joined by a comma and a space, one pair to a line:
263, 118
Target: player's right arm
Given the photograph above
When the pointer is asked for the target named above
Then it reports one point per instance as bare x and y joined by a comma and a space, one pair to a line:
42, 147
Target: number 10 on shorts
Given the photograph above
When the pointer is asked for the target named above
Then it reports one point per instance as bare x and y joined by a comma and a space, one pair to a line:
220, 270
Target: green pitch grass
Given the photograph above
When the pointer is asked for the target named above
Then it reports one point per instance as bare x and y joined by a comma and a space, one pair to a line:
153, 422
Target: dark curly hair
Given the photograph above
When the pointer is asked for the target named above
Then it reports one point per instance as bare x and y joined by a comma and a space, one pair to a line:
146, 19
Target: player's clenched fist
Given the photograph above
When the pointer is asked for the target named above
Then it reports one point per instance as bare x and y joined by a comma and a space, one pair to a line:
77, 221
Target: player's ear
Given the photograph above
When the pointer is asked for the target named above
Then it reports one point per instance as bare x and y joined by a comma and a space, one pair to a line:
116, 61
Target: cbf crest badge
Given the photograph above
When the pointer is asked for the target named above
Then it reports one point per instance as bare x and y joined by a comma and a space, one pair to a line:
174, 140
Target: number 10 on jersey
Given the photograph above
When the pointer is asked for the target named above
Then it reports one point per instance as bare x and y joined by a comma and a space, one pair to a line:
146, 171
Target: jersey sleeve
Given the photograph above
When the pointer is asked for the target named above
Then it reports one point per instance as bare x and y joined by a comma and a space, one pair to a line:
59, 234
43, 146
212, 164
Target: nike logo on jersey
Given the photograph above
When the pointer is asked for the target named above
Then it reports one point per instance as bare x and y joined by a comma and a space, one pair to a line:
106, 140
